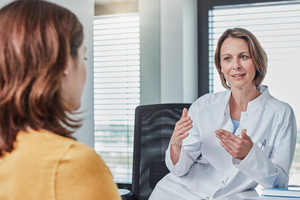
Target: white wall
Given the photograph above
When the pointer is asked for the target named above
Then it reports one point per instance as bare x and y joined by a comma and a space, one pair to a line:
171, 51
168, 43
178, 51
84, 9
190, 51
149, 11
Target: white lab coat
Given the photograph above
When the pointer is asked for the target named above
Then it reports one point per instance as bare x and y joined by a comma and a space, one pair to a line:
206, 170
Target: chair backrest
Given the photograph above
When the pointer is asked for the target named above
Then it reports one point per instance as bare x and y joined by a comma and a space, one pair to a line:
154, 125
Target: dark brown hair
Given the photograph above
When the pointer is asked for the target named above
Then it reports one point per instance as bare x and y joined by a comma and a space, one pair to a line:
257, 53
36, 40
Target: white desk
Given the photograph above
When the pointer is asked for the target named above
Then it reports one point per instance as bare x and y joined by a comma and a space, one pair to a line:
253, 195
241, 196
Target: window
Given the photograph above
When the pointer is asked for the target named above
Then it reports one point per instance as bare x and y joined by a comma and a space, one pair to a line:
116, 90
277, 26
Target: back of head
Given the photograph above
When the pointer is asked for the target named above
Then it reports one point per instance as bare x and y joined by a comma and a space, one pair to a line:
36, 40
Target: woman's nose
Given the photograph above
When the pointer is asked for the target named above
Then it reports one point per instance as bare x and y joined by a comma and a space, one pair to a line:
236, 65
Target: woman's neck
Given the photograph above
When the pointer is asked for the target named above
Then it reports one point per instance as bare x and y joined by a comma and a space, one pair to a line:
239, 101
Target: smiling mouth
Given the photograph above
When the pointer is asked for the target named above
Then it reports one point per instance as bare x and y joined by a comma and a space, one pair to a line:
238, 76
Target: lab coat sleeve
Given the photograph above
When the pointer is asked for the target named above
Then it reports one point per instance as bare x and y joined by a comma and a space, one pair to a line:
190, 149
269, 165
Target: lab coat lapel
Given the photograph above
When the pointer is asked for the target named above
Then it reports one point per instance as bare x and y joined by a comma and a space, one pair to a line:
212, 150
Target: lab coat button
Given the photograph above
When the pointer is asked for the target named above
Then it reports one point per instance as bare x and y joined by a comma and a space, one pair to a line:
238, 135
207, 197
246, 115
222, 182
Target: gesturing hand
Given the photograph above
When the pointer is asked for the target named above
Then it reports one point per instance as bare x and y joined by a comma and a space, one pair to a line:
181, 128
235, 146
179, 133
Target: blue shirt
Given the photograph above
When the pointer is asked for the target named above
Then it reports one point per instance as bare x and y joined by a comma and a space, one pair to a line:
236, 124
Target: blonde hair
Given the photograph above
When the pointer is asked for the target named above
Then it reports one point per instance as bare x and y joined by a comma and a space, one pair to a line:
258, 54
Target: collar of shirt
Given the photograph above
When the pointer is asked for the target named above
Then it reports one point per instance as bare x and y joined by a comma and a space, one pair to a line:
260, 100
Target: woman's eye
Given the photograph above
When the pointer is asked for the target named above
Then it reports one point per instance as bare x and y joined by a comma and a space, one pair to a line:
244, 56
227, 58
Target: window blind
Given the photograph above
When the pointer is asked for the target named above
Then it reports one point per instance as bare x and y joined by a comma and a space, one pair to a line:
277, 27
116, 90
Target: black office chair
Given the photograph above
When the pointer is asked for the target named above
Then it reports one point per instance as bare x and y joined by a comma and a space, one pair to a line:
154, 125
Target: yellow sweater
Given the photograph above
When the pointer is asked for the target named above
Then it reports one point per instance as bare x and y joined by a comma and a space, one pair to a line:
46, 166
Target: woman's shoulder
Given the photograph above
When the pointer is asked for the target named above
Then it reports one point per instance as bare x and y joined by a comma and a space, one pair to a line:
35, 141
279, 106
270, 101
55, 147
273, 105
83, 171
72, 150
76, 169
211, 98
85, 155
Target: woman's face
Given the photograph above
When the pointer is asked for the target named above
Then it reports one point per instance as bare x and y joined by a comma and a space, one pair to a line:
237, 64
73, 80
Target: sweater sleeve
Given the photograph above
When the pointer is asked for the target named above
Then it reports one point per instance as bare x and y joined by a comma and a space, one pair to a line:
82, 174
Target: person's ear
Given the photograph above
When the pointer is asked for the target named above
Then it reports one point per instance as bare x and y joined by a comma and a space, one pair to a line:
66, 72
69, 66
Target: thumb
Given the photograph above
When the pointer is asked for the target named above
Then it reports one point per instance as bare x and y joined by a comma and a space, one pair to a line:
184, 113
244, 135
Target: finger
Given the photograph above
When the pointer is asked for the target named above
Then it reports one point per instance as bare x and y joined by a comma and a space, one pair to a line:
179, 139
228, 149
185, 124
244, 135
183, 120
185, 129
184, 135
229, 139
226, 134
230, 143
182, 131
184, 113
180, 127
182, 123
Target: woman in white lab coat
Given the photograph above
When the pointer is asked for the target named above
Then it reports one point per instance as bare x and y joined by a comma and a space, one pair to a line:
231, 141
